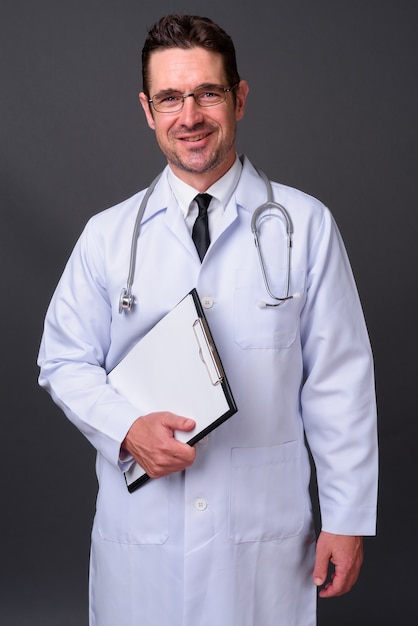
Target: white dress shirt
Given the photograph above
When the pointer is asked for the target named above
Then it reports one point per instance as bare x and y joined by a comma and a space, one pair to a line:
221, 191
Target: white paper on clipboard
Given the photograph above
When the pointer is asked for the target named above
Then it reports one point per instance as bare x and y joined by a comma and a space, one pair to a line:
176, 368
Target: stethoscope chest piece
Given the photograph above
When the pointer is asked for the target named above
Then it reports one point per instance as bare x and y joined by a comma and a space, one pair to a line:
126, 300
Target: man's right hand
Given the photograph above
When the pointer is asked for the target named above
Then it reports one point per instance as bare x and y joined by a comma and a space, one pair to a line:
151, 442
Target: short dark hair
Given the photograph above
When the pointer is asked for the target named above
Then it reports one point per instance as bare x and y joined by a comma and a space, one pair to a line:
189, 31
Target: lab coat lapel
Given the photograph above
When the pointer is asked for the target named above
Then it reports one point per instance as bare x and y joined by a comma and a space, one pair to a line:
248, 195
251, 190
163, 200
175, 221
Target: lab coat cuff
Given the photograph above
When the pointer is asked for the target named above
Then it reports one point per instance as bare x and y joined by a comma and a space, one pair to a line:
110, 444
125, 460
359, 521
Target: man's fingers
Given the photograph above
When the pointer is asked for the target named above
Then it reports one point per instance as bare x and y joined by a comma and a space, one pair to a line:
151, 442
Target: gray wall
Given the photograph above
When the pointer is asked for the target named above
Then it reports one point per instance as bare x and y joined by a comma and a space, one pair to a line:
332, 110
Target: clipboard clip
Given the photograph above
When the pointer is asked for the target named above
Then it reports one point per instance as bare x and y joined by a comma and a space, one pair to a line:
207, 353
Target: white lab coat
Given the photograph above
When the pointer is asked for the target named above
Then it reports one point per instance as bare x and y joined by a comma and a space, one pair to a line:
229, 541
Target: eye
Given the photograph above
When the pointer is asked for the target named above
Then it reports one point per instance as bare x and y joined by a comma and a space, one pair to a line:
169, 98
210, 96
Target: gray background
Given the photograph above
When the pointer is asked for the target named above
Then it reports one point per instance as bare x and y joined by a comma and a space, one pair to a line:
332, 110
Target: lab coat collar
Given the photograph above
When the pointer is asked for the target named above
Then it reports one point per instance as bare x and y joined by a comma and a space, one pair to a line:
249, 193
251, 190
161, 197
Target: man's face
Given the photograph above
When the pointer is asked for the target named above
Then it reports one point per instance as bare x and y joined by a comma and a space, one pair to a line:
199, 142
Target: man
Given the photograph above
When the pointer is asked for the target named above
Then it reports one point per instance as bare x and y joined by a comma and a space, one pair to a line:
223, 534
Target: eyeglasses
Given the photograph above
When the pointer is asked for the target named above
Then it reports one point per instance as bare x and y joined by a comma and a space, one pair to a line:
205, 96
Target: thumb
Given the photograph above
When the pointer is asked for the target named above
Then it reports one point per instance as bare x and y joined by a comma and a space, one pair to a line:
186, 424
177, 422
320, 572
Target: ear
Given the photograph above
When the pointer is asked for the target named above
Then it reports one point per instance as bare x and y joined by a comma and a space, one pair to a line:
147, 110
241, 93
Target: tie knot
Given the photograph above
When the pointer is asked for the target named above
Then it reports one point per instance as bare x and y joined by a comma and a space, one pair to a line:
203, 201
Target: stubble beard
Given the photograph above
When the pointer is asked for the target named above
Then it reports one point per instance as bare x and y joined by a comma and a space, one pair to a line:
196, 162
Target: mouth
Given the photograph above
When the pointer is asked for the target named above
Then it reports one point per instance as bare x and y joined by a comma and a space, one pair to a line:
195, 138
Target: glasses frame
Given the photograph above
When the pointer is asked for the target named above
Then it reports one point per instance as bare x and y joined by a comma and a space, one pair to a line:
226, 90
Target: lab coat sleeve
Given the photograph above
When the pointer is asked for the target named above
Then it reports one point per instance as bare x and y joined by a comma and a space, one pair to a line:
338, 395
75, 341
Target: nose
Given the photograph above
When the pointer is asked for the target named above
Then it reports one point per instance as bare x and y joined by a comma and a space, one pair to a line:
191, 111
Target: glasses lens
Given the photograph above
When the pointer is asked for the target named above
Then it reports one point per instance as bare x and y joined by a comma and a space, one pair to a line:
169, 102
209, 97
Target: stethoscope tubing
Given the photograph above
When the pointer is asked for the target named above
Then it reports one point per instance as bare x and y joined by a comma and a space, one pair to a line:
126, 300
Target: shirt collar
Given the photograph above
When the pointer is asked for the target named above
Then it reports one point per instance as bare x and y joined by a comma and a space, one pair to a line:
222, 189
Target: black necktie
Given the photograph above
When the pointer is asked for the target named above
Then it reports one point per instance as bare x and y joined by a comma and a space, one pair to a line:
200, 232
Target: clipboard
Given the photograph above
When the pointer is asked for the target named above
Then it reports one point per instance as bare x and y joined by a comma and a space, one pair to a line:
176, 367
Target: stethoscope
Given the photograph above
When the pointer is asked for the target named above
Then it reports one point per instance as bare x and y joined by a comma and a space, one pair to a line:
256, 218
127, 299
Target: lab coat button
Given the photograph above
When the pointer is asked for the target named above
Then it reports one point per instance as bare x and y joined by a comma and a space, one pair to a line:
200, 504
207, 302
204, 440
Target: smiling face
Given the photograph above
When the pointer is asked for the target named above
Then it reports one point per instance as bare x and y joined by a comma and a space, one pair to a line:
199, 142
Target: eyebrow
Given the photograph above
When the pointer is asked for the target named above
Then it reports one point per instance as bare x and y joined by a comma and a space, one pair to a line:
164, 92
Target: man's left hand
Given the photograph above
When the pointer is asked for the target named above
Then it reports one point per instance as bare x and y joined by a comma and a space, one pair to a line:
346, 554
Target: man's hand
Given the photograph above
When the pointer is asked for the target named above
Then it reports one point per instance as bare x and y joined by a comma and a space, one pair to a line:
151, 442
346, 554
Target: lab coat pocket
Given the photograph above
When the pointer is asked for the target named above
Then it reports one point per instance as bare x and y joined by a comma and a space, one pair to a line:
267, 500
139, 518
259, 326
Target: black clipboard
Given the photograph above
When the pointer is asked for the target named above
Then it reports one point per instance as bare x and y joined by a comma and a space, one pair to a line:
176, 367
